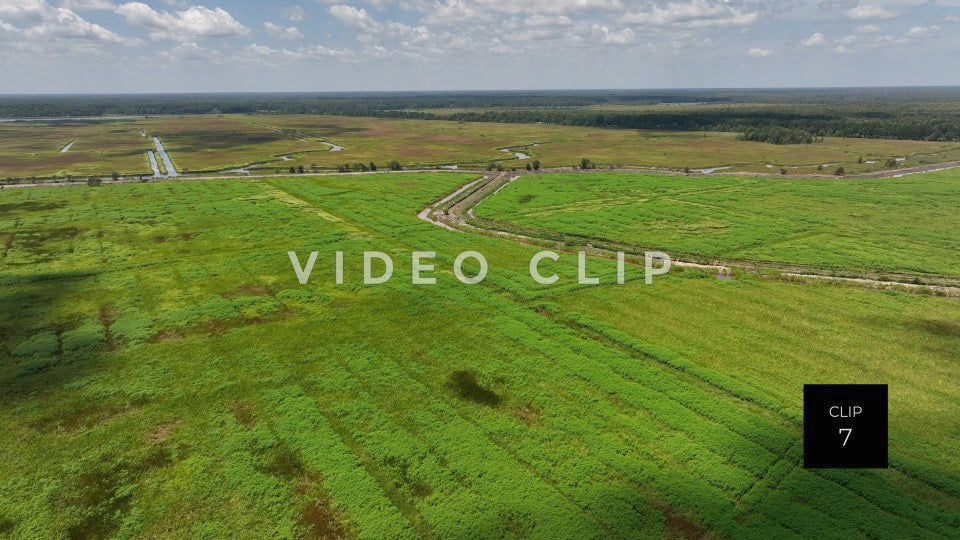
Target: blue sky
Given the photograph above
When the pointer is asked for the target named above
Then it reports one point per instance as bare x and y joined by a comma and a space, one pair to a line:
67, 46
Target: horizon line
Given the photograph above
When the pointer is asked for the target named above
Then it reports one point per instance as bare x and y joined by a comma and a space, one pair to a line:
480, 91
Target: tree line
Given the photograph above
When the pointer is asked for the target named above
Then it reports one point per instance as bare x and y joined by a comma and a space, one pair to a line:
917, 114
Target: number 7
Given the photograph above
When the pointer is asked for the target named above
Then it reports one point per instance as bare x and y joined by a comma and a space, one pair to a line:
849, 432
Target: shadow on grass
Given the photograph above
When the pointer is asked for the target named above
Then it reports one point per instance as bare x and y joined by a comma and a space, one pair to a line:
465, 384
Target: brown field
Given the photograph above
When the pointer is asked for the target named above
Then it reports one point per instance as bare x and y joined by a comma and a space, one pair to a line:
33, 148
210, 143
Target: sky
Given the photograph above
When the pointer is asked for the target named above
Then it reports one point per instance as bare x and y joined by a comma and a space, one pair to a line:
113, 46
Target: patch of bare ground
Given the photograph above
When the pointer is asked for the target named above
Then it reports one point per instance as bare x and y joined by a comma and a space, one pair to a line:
281, 461
108, 314
681, 527
320, 520
162, 433
166, 335
528, 414
317, 518
249, 289
243, 412
7, 243
219, 326
103, 495
85, 418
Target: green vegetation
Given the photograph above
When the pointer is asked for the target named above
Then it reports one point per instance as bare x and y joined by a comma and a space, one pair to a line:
29, 149
899, 113
277, 144
905, 225
778, 135
163, 374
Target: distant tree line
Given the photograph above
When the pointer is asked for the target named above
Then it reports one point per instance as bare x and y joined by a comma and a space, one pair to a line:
918, 114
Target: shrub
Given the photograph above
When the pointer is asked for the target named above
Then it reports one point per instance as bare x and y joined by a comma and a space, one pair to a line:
133, 328
86, 338
42, 344
36, 366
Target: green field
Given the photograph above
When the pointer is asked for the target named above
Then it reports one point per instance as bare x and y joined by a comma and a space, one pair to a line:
274, 143
889, 225
163, 374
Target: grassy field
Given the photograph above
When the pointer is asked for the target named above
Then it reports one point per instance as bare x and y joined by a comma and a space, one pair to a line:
209, 143
440, 142
163, 374
99, 147
903, 225
271, 143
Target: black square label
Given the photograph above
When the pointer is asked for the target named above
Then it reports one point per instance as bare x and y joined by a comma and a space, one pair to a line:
845, 425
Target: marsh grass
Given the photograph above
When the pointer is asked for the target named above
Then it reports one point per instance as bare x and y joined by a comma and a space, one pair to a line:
235, 402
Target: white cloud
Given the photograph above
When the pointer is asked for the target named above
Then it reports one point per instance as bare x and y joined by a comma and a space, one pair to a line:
262, 53
814, 40
48, 28
186, 25
191, 52
68, 25
357, 18
757, 52
921, 31
293, 13
36, 10
88, 4
279, 32
453, 12
623, 37
372, 31
868, 29
694, 14
871, 11
544, 20
952, 18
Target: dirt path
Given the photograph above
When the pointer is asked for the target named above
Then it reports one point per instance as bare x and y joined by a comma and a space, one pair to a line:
459, 217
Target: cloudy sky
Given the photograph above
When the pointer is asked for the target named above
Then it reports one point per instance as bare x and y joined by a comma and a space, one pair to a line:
71, 46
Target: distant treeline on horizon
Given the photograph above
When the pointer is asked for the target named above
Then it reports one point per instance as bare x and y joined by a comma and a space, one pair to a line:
928, 113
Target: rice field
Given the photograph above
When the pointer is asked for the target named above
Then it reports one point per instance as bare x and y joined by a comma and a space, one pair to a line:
163, 375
